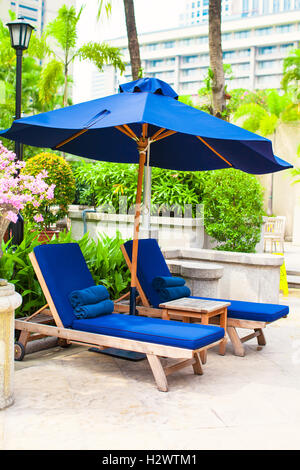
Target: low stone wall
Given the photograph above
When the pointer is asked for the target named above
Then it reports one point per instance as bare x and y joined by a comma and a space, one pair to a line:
185, 232
170, 231
246, 276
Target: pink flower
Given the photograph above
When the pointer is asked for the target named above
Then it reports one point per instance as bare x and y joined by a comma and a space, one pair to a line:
12, 216
38, 218
17, 190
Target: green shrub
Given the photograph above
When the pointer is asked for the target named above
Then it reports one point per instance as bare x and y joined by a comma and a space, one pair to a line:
104, 259
233, 209
59, 173
99, 184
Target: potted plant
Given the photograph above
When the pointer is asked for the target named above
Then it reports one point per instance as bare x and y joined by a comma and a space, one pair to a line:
19, 191
59, 174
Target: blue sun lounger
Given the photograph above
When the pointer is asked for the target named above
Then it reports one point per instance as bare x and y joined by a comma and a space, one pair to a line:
61, 269
240, 314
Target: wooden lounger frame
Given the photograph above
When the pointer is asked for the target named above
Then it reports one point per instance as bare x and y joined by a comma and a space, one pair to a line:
232, 323
153, 351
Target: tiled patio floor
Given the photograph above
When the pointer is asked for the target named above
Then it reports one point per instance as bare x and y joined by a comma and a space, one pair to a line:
75, 399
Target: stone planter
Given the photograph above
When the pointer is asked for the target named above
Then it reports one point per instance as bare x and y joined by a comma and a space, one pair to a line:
246, 276
4, 223
9, 301
202, 278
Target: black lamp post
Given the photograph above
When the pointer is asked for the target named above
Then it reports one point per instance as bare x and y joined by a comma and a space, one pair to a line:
20, 33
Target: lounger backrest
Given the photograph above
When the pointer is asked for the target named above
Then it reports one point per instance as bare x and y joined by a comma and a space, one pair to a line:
151, 264
64, 269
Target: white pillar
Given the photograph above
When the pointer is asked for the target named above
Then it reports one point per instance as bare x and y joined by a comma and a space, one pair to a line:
9, 301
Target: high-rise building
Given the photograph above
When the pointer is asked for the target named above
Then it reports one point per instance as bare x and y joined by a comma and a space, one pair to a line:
197, 11
37, 12
255, 40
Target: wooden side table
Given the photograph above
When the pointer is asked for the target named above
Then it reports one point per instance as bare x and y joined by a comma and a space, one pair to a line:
188, 308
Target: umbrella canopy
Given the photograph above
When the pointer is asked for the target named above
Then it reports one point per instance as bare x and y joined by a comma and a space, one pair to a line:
196, 141
121, 127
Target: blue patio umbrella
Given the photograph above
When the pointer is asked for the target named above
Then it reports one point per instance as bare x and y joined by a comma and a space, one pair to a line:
121, 127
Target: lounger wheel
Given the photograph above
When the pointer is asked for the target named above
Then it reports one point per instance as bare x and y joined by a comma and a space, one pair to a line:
19, 351
63, 343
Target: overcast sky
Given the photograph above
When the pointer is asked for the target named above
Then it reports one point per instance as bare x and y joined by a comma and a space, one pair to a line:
151, 15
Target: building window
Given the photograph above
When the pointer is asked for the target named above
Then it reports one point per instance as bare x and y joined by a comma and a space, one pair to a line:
244, 52
263, 31
170, 61
287, 5
201, 40
284, 28
265, 6
266, 64
245, 10
276, 4
229, 54
266, 50
285, 47
155, 63
255, 7
169, 44
151, 47
190, 59
242, 34
226, 36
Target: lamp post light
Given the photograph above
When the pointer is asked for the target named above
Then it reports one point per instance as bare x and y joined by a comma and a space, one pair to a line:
20, 34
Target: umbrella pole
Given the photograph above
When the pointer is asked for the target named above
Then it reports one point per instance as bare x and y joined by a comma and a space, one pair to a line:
142, 144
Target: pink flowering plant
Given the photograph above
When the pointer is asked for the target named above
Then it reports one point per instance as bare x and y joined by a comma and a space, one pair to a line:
19, 191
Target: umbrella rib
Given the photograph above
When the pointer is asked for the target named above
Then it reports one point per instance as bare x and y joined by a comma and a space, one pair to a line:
130, 131
162, 136
157, 133
121, 129
77, 134
213, 150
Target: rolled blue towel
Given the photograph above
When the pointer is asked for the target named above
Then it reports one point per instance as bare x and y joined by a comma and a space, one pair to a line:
105, 307
161, 282
173, 293
90, 295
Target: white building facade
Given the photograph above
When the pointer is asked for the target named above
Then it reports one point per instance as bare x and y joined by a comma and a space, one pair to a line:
36, 12
254, 44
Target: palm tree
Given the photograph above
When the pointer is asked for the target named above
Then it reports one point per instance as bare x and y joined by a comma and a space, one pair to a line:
265, 118
216, 58
133, 43
291, 75
63, 29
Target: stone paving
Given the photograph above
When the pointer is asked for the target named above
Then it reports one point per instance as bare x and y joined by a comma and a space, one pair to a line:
76, 399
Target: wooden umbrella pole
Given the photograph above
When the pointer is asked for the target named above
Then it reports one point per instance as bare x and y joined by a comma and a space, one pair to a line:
142, 148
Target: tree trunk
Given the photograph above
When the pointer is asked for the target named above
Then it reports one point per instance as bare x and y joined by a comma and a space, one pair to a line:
216, 58
65, 97
133, 43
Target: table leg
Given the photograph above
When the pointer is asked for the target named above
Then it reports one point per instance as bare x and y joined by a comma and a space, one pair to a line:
165, 314
223, 324
204, 321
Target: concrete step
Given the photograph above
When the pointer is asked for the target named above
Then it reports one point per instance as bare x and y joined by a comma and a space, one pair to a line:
293, 272
293, 281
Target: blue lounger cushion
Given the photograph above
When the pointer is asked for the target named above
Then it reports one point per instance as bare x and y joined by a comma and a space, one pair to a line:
105, 307
160, 282
152, 330
173, 293
64, 270
151, 264
90, 295
256, 311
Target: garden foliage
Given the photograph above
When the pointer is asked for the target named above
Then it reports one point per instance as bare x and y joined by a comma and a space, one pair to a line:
59, 173
104, 259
